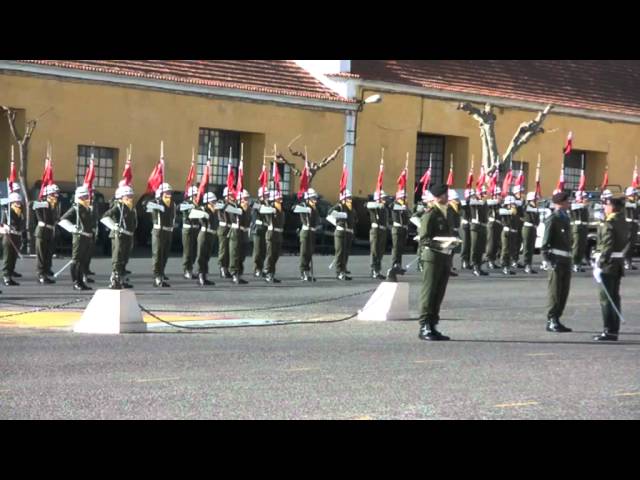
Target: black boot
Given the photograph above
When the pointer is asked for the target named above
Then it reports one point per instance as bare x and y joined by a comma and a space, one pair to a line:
478, 272
491, 265
80, 286
343, 276
429, 332
8, 281
16, 274
238, 280
115, 282
554, 325
45, 279
224, 273
269, 278
529, 269
202, 280
86, 279
606, 336
465, 265
188, 275
377, 275
507, 271
159, 282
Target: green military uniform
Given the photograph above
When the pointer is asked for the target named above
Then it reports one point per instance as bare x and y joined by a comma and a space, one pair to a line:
579, 232
161, 234
378, 217
509, 237
16, 225
238, 242
479, 220
418, 211
259, 238
47, 217
224, 226
556, 249
400, 216
309, 222
82, 245
275, 231
632, 217
529, 235
465, 233
494, 231
456, 221
126, 220
519, 224
613, 235
190, 230
207, 232
342, 239
437, 264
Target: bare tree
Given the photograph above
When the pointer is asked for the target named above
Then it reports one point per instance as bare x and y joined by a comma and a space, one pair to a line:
23, 148
486, 118
313, 166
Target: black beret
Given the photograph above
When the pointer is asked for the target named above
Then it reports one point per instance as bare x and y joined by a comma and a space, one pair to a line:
560, 197
438, 190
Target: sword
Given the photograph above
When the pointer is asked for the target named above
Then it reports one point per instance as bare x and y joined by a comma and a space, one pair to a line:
55, 275
597, 276
331, 264
406, 267
8, 235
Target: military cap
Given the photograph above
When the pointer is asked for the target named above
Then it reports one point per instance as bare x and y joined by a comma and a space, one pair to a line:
438, 190
560, 197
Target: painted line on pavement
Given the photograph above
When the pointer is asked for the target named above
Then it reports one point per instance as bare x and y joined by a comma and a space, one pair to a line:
629, 394
520, 404
301, 369
539, 354
428, 361
145, 380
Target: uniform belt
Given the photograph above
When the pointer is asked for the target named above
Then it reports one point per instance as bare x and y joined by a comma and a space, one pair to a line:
236, 226
186, 225
166, 229
15, 232
375, 225
307, 227
85, 234
42, 224
578, 222
339, 228
258, 222
478, 222
630, 220
444, 252
507, 229
617, 255
562, 253
529, 224
399, 225
126, 232
464, 222
209, 230
222, 224
271, 228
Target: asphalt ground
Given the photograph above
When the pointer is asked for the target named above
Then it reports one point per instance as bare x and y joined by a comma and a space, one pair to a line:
500, 364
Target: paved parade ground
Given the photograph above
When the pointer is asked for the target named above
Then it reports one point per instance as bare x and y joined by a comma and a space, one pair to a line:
500, 364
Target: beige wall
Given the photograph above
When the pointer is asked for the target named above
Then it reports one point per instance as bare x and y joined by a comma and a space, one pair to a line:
395, 122
115, 117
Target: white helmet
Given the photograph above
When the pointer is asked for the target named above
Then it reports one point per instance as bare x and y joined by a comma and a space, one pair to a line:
606, 194
244, 194
209, 197
379, 195
630, 191
263, 192
51, 189
124, 191
225, 192
275, 195
579, 194
401, 194
15, 197
498, 190
516, 189
346, 194
427, 196
82, 191
192, 191
509, 200
15, 186
453, 195
165, 187
310, 194
467, 192
122, 183
531, 196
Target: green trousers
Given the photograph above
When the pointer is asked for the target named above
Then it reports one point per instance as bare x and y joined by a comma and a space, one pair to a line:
205, 241
378, 244
341, 243
223, 247
435, 277
478, 245
10, 255
529, 235
494, 232
508, 240
189, 247
44, 254
579, 245
259, 248
237, 251
274, 248
307, 245
633, 235
558, 289
121, 246
160, 247
611, 319
465, 236
399, 240
80, 256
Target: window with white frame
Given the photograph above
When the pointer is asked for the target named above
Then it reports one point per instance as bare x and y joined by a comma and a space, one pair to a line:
104, 160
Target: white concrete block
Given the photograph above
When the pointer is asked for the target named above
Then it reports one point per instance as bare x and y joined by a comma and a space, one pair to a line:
111, 311
390, 301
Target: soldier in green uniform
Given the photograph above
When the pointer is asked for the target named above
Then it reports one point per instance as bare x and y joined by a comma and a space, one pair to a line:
122, 220
344, 216
47, 214
613, 236
632, 217
579, 229
239, 236
556, 251
206, 236
275, 229
163, 215
509, 219
494, 228
377, 232
530, 231
436, 256
455, 218
479, 220
518, 225
14, 222
418, 211
259, 233
224, 226
79, 221
400, 217
465, 229
190, 229
309, 221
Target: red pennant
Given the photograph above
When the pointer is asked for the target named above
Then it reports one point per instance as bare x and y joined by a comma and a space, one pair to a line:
343, 178
493, 183
506, 184
469, 183
263, 179
304, 180
569, 145
240, 184
89, 177
127, 175
635, 183
402, 180
47, 176
276, 177
560, 184
583, 182
482, 179
450, 177
231, 180
190, 176
204, 182
380, 178
156, 178
425, 180
605, 180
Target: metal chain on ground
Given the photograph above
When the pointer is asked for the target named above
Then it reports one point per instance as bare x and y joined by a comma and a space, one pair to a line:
42, 308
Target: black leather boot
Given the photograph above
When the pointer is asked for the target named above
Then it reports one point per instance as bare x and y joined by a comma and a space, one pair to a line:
529, 269
8, 281
202, 280
343, 276
86, 279
188, 275
606, 336
554, 325
478, 272
429, 332
16, 274
80, 286
508, 271
238, 280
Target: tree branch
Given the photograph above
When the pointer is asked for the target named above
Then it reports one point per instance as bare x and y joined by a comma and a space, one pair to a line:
526, 131
279, 158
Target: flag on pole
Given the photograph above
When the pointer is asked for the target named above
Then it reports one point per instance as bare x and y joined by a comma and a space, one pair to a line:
506, 184
240, 183
520, 179
304, 180
380, 177
569, 145
635, 182
47, 176
231, 179
204, 182
90, 176
583, 181
469, 183
127, 175
605, 179
450, 177
276, 177
402, 179
156, 178
13, 176
538, 188
263, 179
190, 176
343, 179
482, 179
560, 184
493, 183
